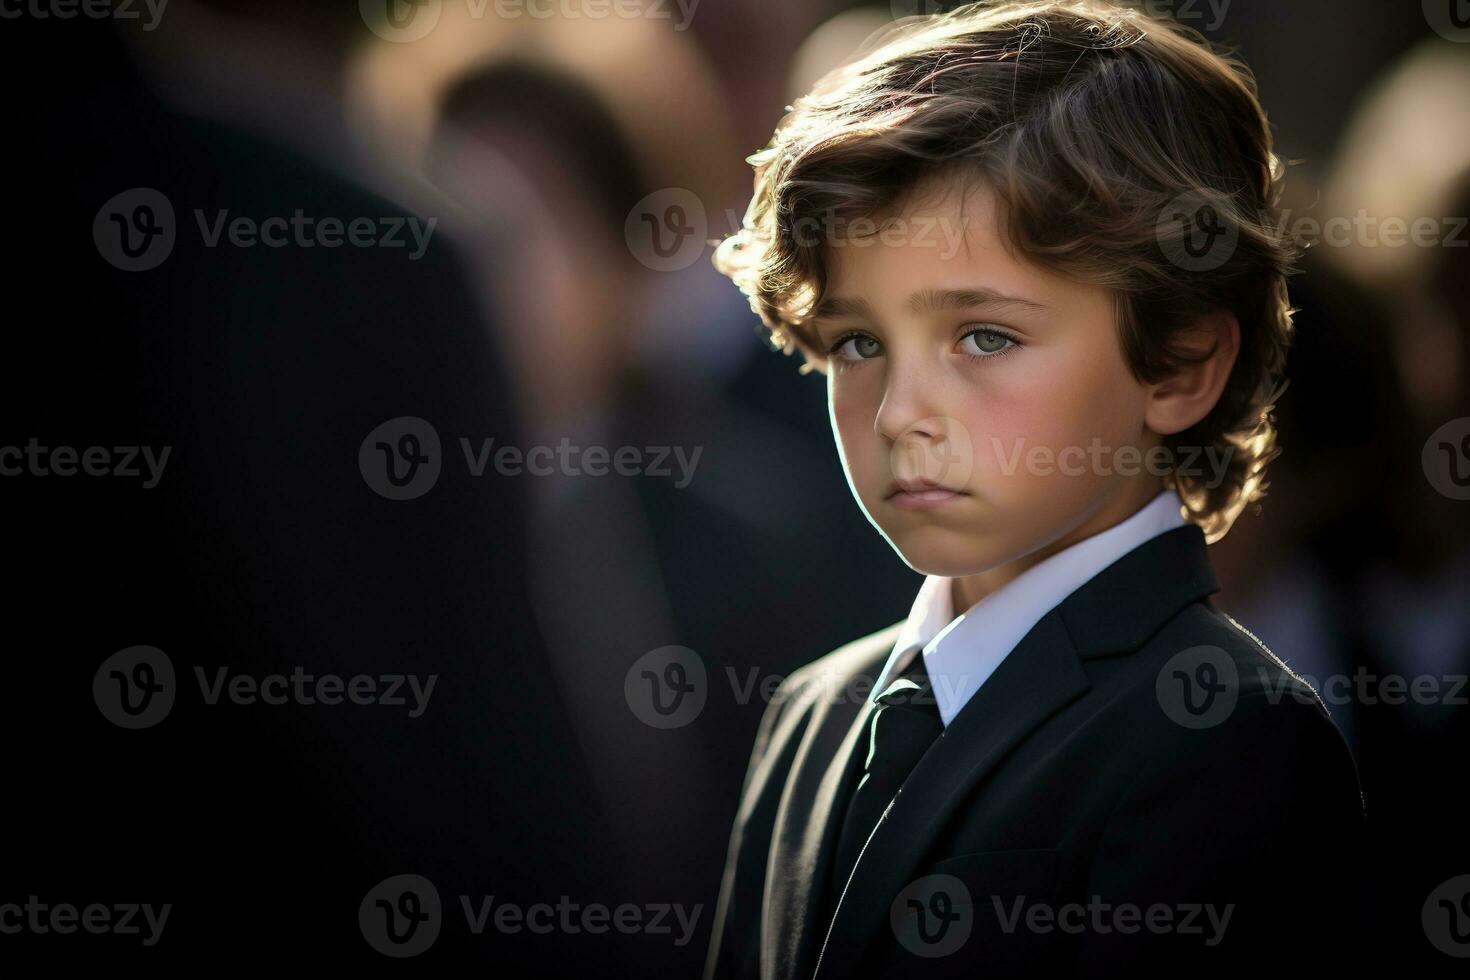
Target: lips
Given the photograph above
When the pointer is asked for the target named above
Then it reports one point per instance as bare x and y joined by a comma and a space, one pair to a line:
923, 489
924, 497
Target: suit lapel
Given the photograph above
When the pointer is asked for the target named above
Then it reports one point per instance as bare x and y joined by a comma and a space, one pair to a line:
1114, 612
1035, 681
826, 769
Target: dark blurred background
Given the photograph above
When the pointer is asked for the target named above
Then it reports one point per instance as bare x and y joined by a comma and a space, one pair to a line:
575, 166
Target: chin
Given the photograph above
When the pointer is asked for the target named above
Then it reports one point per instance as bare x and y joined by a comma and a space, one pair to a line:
944, 552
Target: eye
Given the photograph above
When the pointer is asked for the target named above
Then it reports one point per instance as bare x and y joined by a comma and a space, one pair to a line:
855, 347
987, 342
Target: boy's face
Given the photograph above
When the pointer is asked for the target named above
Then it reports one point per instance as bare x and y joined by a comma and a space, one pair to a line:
979, 371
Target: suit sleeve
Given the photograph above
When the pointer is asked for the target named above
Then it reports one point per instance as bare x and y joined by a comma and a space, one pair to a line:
720, 962
1236, 845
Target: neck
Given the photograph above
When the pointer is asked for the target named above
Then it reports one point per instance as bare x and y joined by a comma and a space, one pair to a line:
967, 590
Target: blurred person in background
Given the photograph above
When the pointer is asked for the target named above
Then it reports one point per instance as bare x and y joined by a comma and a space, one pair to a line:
615, 353
1373, 554
575, 299
1406, 159
264, 549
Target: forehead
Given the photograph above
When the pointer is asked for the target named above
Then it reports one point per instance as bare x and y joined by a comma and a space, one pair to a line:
944, 233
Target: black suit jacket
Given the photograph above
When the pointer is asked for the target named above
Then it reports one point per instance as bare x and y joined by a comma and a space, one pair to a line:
1137, 764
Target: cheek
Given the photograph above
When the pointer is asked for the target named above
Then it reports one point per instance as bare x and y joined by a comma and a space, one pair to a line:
1105, 401
1054, 403
852, 414
1008, 413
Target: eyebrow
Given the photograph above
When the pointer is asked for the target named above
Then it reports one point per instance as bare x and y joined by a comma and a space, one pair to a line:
926, 301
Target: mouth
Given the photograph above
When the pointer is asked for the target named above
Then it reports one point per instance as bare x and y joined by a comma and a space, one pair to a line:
921, 496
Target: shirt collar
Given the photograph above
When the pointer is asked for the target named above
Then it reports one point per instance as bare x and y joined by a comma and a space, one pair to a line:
961, 652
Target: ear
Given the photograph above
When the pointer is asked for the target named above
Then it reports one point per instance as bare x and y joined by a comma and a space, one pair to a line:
1188, 395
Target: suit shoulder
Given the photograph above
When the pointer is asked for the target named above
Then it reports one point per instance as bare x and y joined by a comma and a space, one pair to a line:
1206, 633
829, 678
1205, 676
1205, 694
860, 658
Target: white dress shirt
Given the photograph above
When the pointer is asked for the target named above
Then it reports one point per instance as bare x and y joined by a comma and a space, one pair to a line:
960, 656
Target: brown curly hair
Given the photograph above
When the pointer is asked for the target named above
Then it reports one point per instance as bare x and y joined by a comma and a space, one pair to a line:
1104, 134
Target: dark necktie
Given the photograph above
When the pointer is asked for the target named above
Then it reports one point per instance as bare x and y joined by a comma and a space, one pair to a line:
901, 728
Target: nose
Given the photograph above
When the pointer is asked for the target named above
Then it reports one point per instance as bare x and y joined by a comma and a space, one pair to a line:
926, 441
913, 401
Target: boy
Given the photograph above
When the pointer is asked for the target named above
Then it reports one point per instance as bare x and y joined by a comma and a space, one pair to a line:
1032, 248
